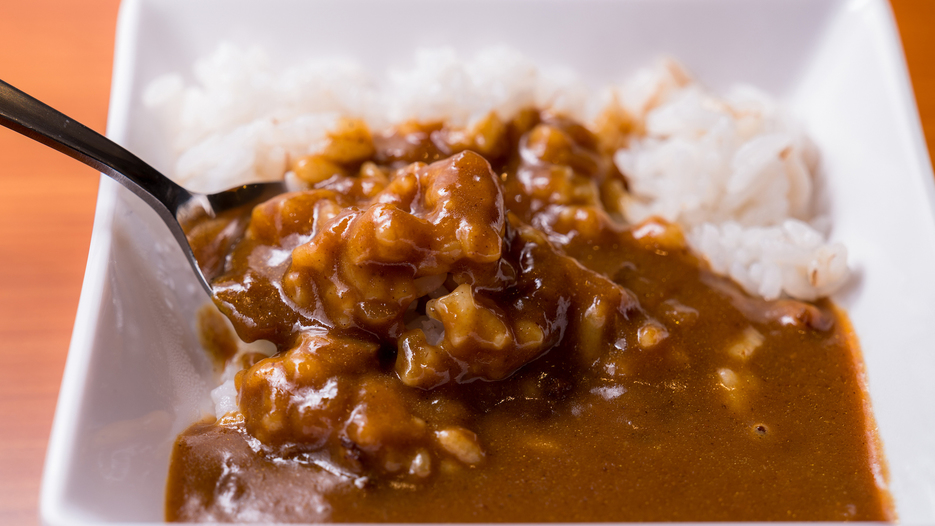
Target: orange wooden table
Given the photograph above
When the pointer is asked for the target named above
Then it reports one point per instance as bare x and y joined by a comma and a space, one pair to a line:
61, 51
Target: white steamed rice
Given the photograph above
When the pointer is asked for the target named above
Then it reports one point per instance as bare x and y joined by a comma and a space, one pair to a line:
732, 170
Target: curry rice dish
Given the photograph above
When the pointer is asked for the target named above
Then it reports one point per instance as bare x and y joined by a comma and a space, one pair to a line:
466, 330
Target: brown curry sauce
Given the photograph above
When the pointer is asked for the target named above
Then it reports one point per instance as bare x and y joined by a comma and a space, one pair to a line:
466, 333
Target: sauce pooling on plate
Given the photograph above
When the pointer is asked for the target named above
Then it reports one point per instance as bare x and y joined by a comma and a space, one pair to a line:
466, 331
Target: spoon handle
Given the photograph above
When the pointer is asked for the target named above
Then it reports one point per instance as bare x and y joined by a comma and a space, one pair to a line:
32, 118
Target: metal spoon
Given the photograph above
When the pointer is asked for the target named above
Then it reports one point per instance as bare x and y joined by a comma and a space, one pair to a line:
174, 204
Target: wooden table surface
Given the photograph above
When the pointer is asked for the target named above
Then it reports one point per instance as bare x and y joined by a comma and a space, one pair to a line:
61, 52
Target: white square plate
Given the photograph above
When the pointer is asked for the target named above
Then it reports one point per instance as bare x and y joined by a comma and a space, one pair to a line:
135, 376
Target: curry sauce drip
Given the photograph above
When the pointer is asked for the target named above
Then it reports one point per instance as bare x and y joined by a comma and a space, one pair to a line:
466, 331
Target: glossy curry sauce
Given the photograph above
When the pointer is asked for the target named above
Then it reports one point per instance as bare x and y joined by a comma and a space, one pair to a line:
466, 331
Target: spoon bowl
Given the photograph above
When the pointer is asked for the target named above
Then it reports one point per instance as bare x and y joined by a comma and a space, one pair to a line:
178, 208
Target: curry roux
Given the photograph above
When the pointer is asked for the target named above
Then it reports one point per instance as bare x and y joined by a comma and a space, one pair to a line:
467, 331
